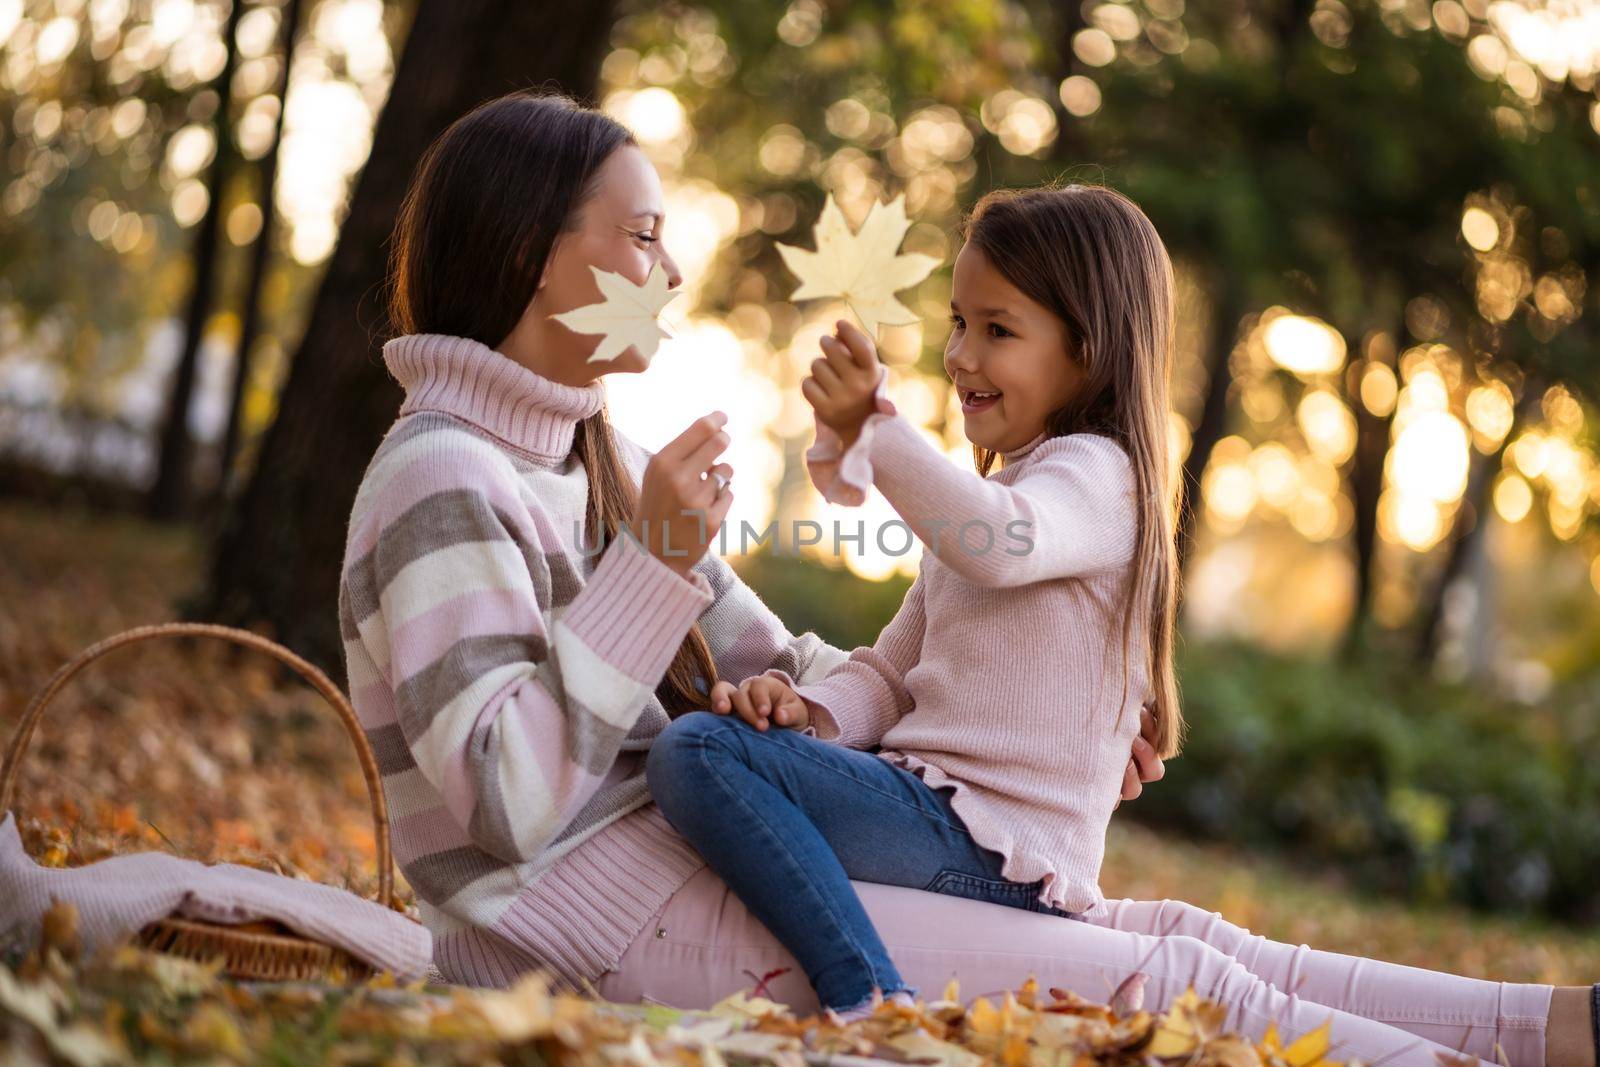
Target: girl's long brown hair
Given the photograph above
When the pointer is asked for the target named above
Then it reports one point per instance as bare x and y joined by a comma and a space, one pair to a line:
1092, 257
482, 214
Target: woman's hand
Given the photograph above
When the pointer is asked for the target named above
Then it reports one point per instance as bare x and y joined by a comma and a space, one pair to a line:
758, 699
842, 382
1144, 765
680, 506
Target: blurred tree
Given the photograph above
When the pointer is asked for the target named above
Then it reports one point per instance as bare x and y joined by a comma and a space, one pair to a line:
1470, 520
108, 123
277, 557
84, 229
260, 258
1374, 431
169, 494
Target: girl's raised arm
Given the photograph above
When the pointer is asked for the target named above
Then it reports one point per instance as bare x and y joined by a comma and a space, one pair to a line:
1071, 512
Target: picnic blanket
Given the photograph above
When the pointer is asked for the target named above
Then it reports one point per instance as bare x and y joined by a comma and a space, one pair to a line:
119, 895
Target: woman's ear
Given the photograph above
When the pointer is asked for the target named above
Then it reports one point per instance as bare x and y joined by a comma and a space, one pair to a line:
550, 261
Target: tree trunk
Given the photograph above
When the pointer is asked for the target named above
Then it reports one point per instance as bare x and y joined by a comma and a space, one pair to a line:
169, 494
260, 260
1071, 145
1211, 426
1365, 481
1228, 307
278, 556
1468, 527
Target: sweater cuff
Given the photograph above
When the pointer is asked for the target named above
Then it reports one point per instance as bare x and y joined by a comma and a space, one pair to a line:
835, 705
635, 611
814, 711
841, 475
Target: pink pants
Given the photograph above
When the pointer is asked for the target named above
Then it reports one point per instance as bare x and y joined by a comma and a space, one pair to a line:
703, 945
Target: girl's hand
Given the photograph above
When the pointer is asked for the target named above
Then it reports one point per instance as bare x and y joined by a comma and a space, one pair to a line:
841, 386
1144, 765
759, 699
680, 508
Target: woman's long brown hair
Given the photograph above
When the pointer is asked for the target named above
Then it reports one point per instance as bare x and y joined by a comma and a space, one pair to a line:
477, 227
1092, 257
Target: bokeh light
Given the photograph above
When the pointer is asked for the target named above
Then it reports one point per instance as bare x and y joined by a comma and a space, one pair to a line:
1303, 344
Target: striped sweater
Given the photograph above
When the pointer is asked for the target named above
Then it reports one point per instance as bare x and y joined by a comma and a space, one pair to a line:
504, 673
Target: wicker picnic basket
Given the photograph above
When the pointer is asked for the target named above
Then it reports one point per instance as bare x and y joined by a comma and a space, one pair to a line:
268, 950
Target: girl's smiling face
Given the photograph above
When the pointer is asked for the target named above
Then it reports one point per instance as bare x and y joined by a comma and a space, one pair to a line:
1010, 357
618, 229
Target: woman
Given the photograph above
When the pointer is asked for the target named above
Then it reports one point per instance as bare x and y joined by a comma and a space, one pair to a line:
526, 598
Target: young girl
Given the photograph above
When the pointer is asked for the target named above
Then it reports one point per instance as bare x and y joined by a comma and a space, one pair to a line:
1004, 691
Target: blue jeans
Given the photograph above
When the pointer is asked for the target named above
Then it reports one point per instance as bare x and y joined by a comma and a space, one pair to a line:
788, 820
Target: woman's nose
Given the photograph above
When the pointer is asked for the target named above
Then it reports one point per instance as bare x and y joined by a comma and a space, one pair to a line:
674, 275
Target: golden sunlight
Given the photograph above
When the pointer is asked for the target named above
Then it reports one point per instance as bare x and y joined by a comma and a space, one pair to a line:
1303, 344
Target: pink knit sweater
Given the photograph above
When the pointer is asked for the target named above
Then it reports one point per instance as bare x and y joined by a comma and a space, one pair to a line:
1002, 674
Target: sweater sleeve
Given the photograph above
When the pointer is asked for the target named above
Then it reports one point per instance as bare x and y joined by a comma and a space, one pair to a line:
747, 638
843, 475
1069, 511
514, 706
861, 699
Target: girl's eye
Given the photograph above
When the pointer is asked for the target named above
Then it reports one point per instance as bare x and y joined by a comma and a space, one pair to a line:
957, 322
999, 330
647, 238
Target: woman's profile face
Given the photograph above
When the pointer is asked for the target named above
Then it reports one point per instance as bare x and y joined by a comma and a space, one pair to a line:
617, 229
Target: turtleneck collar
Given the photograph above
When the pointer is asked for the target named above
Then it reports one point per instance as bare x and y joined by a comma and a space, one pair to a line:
472, 381
1022, 450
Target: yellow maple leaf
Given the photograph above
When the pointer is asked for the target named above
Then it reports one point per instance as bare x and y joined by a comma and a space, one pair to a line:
982, 1018
627, 315
922, 1047
864, 268
522, 1012
1309, 1050
213, 1029
1188, 1024
741, 1006
1231, 1050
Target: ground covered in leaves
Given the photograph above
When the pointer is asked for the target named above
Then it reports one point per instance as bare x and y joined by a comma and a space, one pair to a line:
130, 1006
213, 753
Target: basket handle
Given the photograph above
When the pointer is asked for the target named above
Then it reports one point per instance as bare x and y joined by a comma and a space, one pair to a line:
309, 671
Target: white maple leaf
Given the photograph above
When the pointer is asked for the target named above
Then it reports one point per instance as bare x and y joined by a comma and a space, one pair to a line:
627, 315
864, 268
